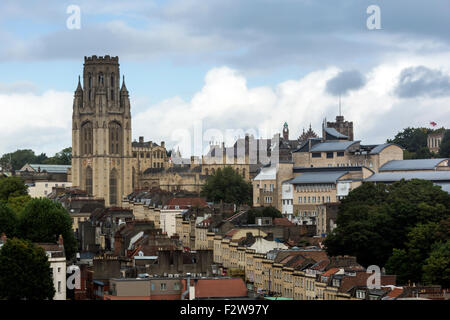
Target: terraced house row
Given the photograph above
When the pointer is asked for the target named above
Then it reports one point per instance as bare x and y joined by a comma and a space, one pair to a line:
268, 267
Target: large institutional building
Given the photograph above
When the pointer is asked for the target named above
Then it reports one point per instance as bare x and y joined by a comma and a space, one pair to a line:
302, 177
101, 132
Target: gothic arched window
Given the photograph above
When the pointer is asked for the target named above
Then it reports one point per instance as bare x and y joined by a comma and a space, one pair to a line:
115, 138
101, 79
87, 140
113, 187
88, 180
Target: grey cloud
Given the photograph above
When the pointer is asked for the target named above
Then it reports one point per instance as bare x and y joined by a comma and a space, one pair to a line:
249, 34
344, 82
422, 81
17, 87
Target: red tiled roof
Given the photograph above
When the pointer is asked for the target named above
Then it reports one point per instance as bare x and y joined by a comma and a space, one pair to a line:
360, 279
330, 272
282, 222
395, 293
182, 202
231, 233
321, 264
220, 288
315, 255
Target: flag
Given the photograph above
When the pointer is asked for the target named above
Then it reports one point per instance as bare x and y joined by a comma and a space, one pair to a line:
433, 123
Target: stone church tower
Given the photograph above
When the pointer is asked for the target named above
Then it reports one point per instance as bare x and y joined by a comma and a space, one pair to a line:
101, 132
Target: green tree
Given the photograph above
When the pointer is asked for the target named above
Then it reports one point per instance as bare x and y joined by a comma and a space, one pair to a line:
8, 221
444, 149
414, 141
17, 204
63, 157
375, 219
17, 159
262, 212
43, 220
12, 187
408, 263
437, 266
228, 186
24, 272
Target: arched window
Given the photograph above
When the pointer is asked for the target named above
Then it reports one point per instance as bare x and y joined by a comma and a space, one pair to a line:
113, 187
115, 138
132, 178
206, 171
86, 138
90, 81
101, 79
112, 80
88, 180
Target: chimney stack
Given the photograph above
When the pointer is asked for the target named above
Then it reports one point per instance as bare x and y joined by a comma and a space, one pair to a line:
60, 241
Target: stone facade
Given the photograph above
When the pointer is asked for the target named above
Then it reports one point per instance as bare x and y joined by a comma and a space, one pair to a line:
434, 141
101, 132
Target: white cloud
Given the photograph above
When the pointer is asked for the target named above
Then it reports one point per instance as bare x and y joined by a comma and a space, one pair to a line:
38, 122
226, 102
43, 122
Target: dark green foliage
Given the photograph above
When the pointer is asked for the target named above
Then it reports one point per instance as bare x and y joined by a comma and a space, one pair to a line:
24, 272
8, 221
263, 212
408, 216
12, 187
228, 186
437, 266
43, 220
414, 141
62, 157
17, 159
444, 150
17, 204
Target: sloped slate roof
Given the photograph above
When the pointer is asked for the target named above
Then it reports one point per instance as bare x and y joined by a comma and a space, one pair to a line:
51, 168
412, 164
318, 177
397, 176
333, 146
381, 147
335, 133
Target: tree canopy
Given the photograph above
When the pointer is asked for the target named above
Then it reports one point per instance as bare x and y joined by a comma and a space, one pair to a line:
8, 221
17, 159
437, 266
391, 223
444, 150
414, 141
43, 220
228, 186
24, 272
12, 187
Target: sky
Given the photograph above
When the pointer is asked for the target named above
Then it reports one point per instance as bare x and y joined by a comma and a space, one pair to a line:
214, 70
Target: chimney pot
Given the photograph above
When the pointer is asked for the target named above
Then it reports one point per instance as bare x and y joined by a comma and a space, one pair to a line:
60, 241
